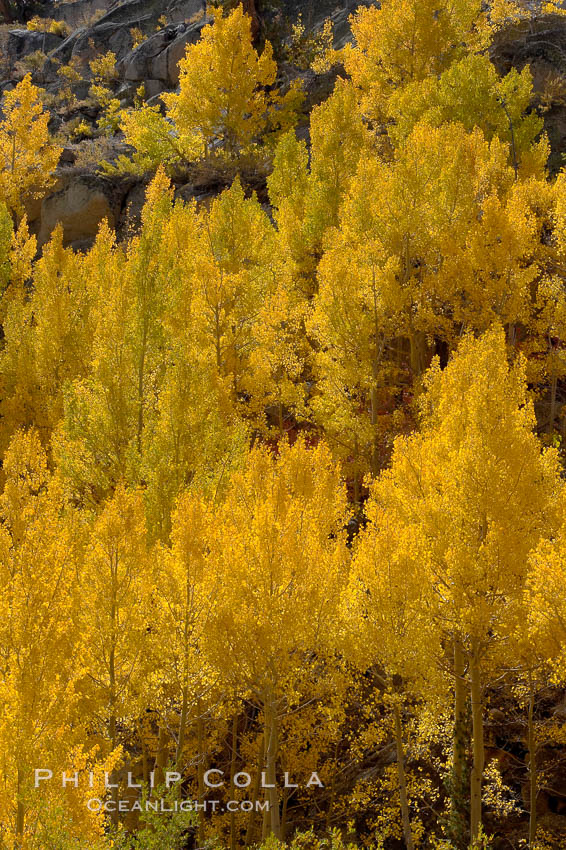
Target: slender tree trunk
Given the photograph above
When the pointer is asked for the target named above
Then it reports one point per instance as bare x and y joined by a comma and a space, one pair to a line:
374, 447
265, 826
284, 813
417, 342
112, 721
375, 375
271, 734
161, 755
532, 766
145, 763
182, 725
553, 386
459, 791
141, 377
20, 813
255, 794
233, 841
478, 744
200, 774
405, 817
5, 12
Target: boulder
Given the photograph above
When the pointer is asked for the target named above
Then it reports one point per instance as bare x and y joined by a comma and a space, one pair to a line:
153, 88
23, 42
79, 206
158, 57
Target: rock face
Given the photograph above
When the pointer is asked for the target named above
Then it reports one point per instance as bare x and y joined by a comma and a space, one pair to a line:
158, 57
22, 42
112, 30
79, 206
77, 13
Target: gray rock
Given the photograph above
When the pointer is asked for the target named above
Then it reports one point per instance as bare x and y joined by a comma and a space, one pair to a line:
23, 42
77, 13
153, 88
159, 56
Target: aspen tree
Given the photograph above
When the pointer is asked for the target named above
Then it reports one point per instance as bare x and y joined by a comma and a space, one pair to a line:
475, 483
27, 155
100, 439
117, 612
472, 93
277, 559
39, 605
226, 101
403, 41
234, 269
386, 611
307, 199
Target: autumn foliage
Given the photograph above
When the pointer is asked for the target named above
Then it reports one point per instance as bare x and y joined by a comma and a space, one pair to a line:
283, 483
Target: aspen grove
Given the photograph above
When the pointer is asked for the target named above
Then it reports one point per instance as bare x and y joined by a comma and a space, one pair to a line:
282, 511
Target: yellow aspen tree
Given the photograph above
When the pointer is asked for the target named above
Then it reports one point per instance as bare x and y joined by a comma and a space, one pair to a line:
273, 386
277, 559
546, 599
427, 245
116, 617
386, 612
194, 440
224, 86
226, 102
307, 195
549, 314
100, 439
19, 392
403, 41
28, 157
47, 340
234, 269
6, 237
476, 485
39, 605
92, 442
354, 321
472, 93
539, 640
186, 599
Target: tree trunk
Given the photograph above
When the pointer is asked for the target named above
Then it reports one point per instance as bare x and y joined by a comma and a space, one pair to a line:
255, 794
182, 725
234, 745
478, 746
112, 720
161, 755
20, 814
417, 341
271, 735
141, 378
532, 766
552, 417
284, 807
405, 817
200, 775
250, 9
459, 790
